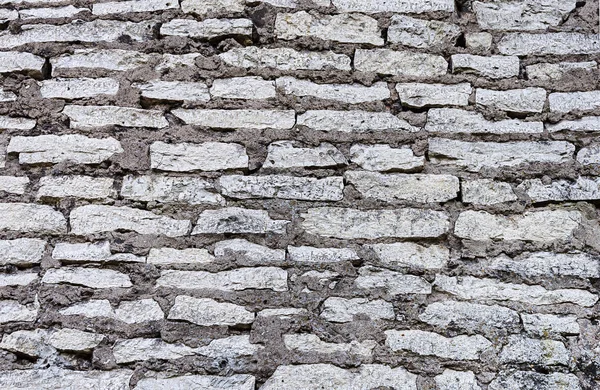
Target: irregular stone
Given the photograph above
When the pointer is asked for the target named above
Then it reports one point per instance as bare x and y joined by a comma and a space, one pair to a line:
205, 382
238, 220
544, 325
548, 264
540, 226
345, 28
165, 189
530, 380
77, 88
399, 6
26, 342
549, 72
171, 62
350, 223
91, 252
433, 95
207, 29
258, 278
589, 155
140, 349
13, 311
90, 309
95, 31
208, 312
282, 187
481, 41
87, 277
522, 16
558, 43
474, 156
125, 7
13, 61
433, 344
493, 67
310, 343
468, 287
17, 279
285, 59
456, 380
243, 88
51, 13
343, 310
12, 123
54, 149
422, 34
108, 59
487, 192
6, 15
400, 63
248, 250
471, 317
207, 156
21, 251
452, 121
532, 351
55, 378
307, 254
283, 154
27, 217
137, 312
587, 123
238, 119
205, 7
91, 117
229, 347
354, 121
93, 219
564, 102
346, 93
283, 313
170, 256
85, 187
393, 283
7, 96
14, 184
174, 91
524, 101
74, 340
397, 187
384, 158
411, 255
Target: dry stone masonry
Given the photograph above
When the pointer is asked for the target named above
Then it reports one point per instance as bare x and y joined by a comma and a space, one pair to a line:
299, 194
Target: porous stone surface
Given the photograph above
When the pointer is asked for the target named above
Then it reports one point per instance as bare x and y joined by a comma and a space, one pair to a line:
299, 194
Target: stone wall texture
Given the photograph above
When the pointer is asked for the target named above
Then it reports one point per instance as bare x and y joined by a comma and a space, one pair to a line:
299, 194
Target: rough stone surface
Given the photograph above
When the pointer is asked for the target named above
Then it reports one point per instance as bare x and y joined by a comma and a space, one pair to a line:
197, 157
88, 277
84, 187
456, 380
284, 187
452, 121
428, 343
410, 255
385, 158
21, 251
487, 192
422, 33
27, 217
350, 93
353, 121
166, 189
344, 310
240, 279
207, 312
283, 154
433, 95
400, 63
535, 380
238, 220
526, 350
521, 101
493, 67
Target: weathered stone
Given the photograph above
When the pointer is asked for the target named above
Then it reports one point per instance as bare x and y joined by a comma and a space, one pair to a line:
344, 310
283, 313
456, 380
468, 287
238, 119
564, 102
421, 33
532, 351
95, 31
243, 88
229, 347
12, 61
433, 95
486, 192
208, 312
87, 277
587, 123
7, 96
400, 63
91, 117
27, 217
51, 13
170, 256
346, 28
165, 189
543, 325
398, 187
170, 62
26, 342
285, 59
475, 156
248, 250
207, 29
12, 123
384, 158
90, 309
140, 349
14, 184
307, 254
21, 251
589, 155
207, 156
478, 41
283, 154
54, 149
91, 252
174, 91
93, 219
350, 223
309, 343
549, 265
549, 72
17, 279
56, 378
540, 226
6, 15
530, 380
137, 312
74, 340
354, 121
522, 16
522, 101
411, 255
471, 317
205, 382
108, 59
393, 283
452, 120
558, 43
283, 187
13, 311
327, 376
433, 344
257, 278
399, 6
238, 220
77, 88
124, 7
346, 93
493, 67
206, 7
85, 187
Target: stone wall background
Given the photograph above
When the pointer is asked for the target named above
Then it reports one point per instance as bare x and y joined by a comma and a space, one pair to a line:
295, 194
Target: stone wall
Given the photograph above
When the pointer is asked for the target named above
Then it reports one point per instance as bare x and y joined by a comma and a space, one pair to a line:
299, 194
